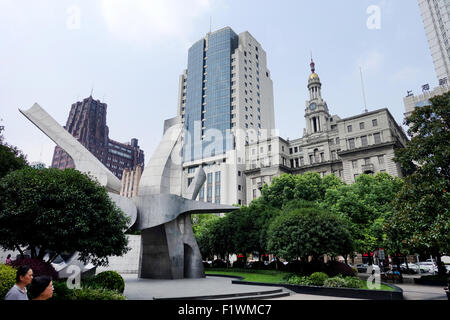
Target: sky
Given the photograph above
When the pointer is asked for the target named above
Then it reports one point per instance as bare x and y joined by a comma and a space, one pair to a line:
130, 54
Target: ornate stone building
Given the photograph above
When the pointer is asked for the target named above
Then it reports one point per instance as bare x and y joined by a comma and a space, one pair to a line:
87, 123
347, 148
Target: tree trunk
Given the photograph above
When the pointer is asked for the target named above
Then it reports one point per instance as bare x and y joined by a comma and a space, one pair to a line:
397, 261
33, 252
21, 252
346, 258
42, 253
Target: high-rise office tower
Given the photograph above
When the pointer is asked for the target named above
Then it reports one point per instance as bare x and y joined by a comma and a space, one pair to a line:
87, 123
225, 102
436, 18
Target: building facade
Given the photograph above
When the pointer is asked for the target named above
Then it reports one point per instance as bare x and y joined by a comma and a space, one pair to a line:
416, 101
130, 181
225, 98
87, 123
347, 148
436, 19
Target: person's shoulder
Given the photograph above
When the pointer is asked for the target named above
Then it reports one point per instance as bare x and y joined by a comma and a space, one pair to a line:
11, 293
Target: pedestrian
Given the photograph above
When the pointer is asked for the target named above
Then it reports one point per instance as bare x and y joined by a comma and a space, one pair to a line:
24, 276
8, 259
41, 288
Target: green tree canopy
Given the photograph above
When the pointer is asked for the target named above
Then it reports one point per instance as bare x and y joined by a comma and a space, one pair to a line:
60, 211
365, 205
11, 158
309, 186
308, 232
422, 206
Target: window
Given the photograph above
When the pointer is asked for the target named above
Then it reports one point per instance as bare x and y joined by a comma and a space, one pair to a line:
381, 159
270, 147
377, 138
239, 187
364, 141
351, 143
292, 163
361, 126
375, 122
355, 164
190, 181
290, 151
239, 173
322, 157
338, 140
349, 129
296, 149
302, 161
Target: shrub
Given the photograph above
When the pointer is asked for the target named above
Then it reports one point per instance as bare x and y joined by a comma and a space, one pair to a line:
239, 264
39, 267
299, 280
110, 280
353, 282
95, 294
61, 291
218, 263
318, 278
7, 279
336, 282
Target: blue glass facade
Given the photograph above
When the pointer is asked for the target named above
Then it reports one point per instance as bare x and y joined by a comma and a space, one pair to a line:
215, 92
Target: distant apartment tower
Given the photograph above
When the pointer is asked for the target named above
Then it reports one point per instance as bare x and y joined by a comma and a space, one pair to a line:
225, 102
436, 19
87, 123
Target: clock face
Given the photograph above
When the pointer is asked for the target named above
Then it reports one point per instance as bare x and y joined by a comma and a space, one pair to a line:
313, 106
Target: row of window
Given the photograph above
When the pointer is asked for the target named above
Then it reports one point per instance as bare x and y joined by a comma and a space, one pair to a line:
362, 125
364, 141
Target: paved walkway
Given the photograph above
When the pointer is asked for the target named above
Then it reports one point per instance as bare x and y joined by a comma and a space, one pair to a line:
420, 292
147, 289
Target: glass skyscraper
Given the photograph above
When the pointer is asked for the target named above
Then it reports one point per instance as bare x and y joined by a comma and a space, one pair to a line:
208, 96
225, 102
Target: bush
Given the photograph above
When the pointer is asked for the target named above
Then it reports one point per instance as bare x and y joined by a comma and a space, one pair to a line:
39, 267
96, 294
239, 264
62, 293
110, 280
318, 278
276, 265
336, 282
353, 282
218, 263
299, 280
7, 279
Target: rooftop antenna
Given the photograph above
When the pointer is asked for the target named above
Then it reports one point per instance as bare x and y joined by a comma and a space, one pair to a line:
363, 91
210, 24
92, 90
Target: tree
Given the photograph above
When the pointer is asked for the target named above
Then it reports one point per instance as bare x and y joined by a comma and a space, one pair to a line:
250, 225
55, 211
365, 205
309, 186
422, 206
11, 158
308, 232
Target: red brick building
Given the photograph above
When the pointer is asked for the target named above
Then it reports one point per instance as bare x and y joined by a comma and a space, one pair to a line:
87, 123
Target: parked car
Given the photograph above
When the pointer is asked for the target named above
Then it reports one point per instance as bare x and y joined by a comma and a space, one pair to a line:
362, 268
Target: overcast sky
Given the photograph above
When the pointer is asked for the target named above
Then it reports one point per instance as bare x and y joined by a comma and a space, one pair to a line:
131, 52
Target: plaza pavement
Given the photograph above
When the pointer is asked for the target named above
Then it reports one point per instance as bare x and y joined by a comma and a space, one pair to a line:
148, 289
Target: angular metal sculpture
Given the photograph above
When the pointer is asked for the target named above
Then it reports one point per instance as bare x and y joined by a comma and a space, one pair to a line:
161, 210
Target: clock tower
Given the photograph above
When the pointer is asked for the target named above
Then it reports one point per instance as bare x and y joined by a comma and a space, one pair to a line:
316, 113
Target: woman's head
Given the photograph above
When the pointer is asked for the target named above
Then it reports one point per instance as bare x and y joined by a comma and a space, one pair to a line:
24, 275
8, 257
41, 288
